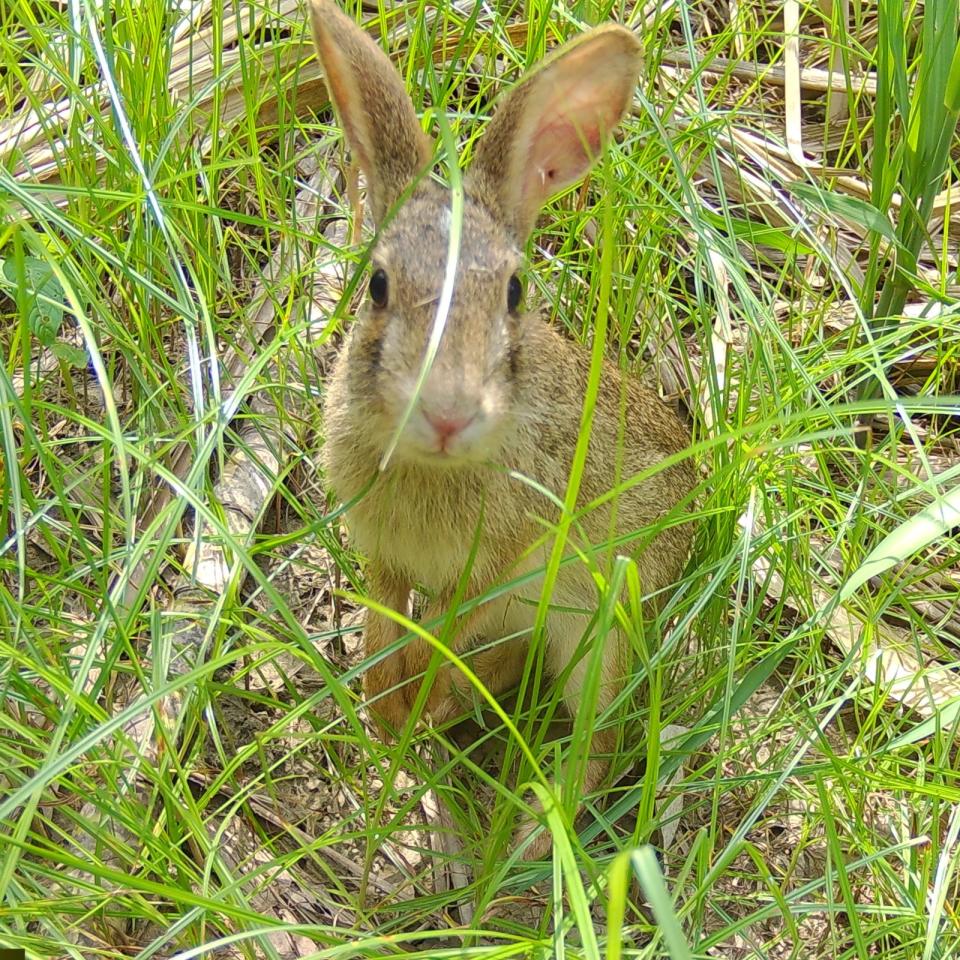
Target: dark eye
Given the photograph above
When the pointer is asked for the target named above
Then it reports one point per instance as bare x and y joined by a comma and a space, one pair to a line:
378, 288
514, 293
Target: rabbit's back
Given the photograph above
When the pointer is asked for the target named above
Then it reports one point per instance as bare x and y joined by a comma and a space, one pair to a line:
631, 433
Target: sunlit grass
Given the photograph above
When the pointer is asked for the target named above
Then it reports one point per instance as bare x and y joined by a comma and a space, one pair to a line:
816, 817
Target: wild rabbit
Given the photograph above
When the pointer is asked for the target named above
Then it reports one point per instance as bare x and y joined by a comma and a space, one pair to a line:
503, 398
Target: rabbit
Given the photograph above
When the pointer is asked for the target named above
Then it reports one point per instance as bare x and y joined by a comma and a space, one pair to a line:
503, 399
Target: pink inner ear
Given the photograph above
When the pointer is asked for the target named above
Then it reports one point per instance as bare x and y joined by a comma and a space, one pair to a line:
344, 95
569, 110
567, 142
562, 151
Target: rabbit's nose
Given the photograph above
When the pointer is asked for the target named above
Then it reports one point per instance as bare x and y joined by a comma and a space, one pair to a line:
447, 425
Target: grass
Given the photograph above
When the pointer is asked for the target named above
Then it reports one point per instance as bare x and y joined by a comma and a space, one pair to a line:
789, 738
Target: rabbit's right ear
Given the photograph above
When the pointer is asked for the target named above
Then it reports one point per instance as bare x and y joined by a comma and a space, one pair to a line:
551, 128
377, 116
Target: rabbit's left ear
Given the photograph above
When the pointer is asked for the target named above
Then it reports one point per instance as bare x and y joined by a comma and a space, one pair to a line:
377, 116
551, 128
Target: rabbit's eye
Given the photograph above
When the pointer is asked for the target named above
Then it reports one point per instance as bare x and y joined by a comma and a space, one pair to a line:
378, 288
514, 293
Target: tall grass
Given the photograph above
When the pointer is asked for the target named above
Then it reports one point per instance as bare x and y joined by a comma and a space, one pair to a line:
815, 816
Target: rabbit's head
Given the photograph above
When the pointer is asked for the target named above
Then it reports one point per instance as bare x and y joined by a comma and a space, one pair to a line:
546, 134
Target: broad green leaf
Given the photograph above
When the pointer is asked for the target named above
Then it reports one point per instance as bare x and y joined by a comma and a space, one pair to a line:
655, 889
951, 96
852, 208
761, 234
912, 535
75, 356
945, 720
575, 892
618, 890
43, 293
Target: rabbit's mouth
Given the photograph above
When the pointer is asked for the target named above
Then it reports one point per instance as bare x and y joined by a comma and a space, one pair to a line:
449, 436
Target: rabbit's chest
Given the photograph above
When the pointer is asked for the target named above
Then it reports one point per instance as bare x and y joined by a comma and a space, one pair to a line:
427, 531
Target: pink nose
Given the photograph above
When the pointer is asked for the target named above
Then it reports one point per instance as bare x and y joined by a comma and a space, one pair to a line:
446, 426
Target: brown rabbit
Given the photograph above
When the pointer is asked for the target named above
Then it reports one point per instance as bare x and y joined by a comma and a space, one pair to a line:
504, 390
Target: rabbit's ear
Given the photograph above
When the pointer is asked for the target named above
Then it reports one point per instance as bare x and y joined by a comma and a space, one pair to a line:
377, 116
551, 128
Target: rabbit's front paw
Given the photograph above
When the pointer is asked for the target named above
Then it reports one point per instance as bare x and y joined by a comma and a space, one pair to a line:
539, 847
442, 702
386, 697
391, 686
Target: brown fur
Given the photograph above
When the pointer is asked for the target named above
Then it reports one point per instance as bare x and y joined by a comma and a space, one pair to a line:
516, 377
